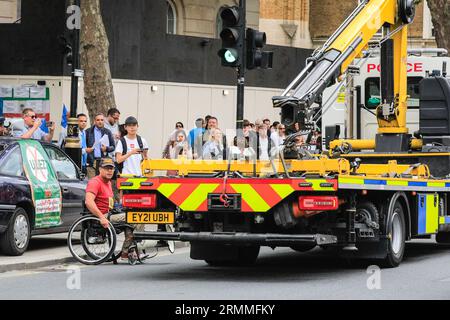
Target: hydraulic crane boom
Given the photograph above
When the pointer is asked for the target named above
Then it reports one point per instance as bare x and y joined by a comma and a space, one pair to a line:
330, 62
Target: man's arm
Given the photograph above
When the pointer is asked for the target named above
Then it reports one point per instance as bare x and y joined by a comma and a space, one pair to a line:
123, 157
30, 132
48, 137
92, 207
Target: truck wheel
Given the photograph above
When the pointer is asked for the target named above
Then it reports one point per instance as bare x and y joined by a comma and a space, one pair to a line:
443, 237
246, 256
395, 230
15, 240
303, 247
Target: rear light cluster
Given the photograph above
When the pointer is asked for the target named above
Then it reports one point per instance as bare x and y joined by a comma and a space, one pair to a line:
141, 201
319, 203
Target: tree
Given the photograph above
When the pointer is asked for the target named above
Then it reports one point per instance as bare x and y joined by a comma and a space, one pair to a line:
94, 54
440, 15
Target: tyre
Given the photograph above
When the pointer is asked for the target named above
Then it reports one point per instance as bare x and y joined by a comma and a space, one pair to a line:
90, 243
395, 229
246, 256
367, 211
14, 241
303, 247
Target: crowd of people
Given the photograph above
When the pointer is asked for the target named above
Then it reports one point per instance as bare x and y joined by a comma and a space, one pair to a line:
107, 138
207, 141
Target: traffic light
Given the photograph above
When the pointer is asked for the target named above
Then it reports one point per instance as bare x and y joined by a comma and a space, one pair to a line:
68, 52
66, 49
256, 58
232, 35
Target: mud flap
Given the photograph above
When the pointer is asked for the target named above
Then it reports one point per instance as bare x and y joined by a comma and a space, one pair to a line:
369, 250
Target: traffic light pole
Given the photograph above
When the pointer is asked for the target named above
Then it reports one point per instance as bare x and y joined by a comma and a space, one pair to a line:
241, 80
240, 98
72, 143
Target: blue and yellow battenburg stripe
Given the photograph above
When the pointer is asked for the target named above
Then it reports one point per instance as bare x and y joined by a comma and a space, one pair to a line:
428, 214
348, 182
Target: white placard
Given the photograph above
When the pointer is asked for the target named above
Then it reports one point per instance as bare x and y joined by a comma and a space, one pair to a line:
21, 92
105, 140
38, 92
11, 107
6, 92
36, 105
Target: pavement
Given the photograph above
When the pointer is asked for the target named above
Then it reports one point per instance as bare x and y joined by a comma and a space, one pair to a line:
46, 251
282, 274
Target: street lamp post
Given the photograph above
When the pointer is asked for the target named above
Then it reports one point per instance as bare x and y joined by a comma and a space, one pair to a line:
73, 143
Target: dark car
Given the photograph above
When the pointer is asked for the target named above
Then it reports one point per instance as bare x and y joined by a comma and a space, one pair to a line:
18, 200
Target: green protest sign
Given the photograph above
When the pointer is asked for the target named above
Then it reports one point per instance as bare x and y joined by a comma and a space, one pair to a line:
45, 187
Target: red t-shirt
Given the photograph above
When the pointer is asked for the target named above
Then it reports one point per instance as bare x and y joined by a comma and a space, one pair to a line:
104, 197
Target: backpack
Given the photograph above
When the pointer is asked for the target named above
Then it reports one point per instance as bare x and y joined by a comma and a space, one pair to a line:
124, 150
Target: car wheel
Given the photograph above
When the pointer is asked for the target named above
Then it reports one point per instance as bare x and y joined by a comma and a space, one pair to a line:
16, 238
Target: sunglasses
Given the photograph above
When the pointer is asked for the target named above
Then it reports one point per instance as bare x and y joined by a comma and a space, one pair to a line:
178, 126
32, 117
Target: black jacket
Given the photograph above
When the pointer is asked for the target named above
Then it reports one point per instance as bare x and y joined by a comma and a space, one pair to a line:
90, 140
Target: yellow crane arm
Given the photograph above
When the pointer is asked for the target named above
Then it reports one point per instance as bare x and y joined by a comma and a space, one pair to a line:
327, 64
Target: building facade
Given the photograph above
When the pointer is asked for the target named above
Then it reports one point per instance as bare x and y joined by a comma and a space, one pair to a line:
326, 16
10, 11
292, 23
202, 18
163, 55
159, 75
286, 22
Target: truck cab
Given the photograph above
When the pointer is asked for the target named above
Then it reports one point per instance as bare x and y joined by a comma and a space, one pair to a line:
366, 86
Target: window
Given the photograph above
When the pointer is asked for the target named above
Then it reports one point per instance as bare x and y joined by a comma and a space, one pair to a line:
10, 11
171, 18
11, 164
372, 90
64, 167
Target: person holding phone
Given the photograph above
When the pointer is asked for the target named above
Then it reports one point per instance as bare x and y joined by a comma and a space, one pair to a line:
32, 128
131, 149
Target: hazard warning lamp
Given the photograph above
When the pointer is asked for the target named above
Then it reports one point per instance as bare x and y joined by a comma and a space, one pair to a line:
319, 203
142, 201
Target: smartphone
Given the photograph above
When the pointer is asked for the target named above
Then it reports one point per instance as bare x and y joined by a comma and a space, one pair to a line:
49, 124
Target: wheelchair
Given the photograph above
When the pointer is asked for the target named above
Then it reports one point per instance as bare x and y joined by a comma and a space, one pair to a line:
92, 244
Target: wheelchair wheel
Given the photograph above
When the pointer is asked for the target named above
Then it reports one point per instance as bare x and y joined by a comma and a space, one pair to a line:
90, 243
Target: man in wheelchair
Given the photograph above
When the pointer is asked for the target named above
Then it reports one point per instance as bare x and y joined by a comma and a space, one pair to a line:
100, 201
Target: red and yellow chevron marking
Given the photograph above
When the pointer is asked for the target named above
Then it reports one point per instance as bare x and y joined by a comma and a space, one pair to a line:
258, 195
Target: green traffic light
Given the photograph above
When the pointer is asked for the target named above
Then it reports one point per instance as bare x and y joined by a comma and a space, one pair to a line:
229, 56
